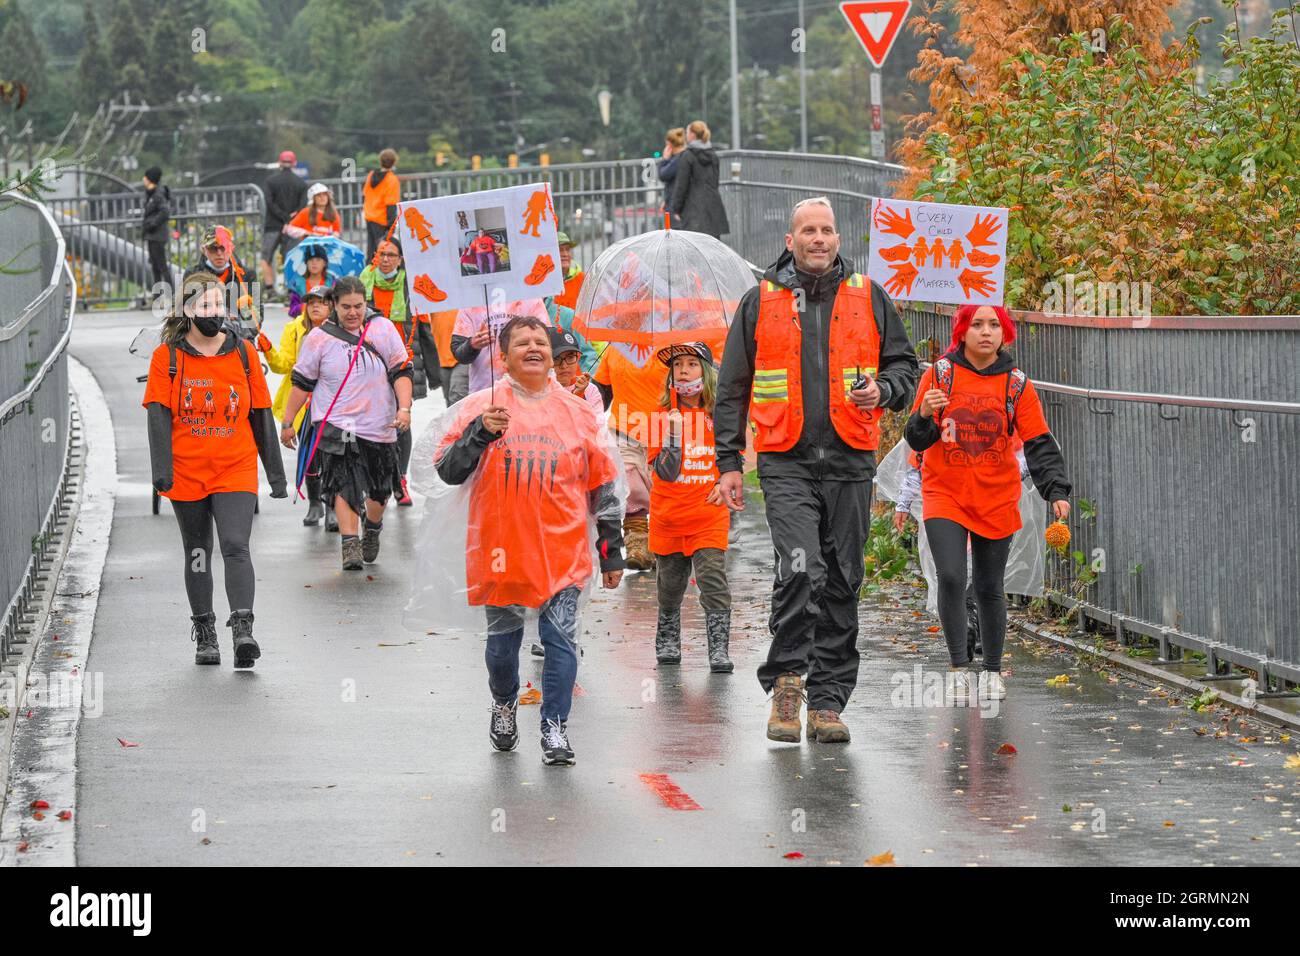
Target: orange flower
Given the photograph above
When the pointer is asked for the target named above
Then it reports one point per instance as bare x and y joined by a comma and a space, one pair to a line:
1057, 536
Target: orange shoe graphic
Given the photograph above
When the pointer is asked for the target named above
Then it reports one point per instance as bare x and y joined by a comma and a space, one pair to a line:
427, 288
543, 267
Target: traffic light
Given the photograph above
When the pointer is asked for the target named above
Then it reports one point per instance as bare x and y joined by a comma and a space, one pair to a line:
544, 159
475, 161
512, 161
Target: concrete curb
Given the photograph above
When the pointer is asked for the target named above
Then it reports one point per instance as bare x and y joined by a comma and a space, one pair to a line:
57, 689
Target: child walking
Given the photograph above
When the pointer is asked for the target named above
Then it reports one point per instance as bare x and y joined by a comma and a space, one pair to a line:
688, 521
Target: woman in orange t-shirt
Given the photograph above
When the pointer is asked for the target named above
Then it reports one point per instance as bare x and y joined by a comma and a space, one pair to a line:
318, 217
971, 405
688, 521
209, 419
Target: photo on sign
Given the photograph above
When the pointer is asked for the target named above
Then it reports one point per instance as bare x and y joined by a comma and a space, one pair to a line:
483, 243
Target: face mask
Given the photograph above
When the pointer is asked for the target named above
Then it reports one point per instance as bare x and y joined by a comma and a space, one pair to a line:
689, 388
208, 325
390, 275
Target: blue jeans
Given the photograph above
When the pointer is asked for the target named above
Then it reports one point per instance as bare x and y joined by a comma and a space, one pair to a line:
557, 623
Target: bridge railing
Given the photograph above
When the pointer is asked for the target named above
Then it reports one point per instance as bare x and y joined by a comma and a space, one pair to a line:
1183, 433
37, 303
105, 245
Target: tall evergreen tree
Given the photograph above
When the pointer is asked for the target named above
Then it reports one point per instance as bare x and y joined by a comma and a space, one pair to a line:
171, 58
128, 48
95, 80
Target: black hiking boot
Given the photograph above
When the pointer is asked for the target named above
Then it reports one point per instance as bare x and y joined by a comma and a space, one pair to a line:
204, 634
246, 649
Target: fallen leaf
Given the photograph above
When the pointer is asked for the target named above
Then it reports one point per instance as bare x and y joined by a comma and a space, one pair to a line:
127, 743
1292, 762
206, 841
22, 847
933, 629
40, 805
1006, 749
796, 855
1060, 680
65, 814
38, 815
1169, 823
882, 859
531, 696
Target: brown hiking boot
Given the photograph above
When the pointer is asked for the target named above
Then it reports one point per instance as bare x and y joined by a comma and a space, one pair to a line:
787, 698
636, 540
825, 727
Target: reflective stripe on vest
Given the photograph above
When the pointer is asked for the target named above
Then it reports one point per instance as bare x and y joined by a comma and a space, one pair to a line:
776, 405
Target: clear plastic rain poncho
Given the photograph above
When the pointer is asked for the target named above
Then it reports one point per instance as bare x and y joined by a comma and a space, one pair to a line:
1026, 562
522, 526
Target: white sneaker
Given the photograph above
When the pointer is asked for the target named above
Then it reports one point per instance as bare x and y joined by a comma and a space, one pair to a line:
992, 686
957, 690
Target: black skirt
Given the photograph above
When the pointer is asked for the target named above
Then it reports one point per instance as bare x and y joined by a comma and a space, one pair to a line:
357, 469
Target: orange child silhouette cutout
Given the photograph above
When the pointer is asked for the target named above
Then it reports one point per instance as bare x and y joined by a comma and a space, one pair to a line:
921, 251
420, 229
939, 253
955, 253
535, 213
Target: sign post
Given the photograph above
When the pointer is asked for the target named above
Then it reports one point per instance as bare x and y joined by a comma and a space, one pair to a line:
877, 119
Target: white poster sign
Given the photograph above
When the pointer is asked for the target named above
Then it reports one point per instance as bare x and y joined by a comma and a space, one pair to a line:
493, 246
938, 252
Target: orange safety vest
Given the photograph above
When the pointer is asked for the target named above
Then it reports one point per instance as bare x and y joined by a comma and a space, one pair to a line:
776, 405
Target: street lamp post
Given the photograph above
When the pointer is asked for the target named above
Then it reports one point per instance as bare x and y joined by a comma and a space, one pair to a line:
735, 81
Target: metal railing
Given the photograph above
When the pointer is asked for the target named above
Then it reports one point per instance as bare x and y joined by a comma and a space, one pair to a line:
1196, 536
37, 303
597, 204
760, 188
106, 249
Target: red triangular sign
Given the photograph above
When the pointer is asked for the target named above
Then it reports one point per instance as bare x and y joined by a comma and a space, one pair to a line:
876, 23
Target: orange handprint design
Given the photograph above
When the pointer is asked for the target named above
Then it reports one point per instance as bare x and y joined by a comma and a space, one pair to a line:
902, 279
978, 258
889, 221
981, 232
979, 281
899, 253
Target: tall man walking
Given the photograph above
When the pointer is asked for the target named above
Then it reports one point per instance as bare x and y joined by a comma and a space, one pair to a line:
813, 356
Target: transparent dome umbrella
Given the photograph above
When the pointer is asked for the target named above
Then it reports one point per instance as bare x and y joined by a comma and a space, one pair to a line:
660, 288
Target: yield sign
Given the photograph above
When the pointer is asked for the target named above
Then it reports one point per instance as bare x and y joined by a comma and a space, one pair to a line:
876, 24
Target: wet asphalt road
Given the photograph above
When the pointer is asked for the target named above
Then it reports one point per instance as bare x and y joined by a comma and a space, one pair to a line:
277, 766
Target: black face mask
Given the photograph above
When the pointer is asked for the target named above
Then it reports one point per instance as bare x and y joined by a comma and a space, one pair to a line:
208, 325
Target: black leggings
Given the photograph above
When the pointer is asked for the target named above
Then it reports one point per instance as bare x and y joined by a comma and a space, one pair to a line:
233, 513
988, 568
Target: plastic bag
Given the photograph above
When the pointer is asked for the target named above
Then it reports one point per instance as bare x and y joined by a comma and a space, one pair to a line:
1025, 563
521, 538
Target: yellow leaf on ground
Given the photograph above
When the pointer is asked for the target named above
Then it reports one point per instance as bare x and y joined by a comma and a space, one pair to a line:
882, 859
